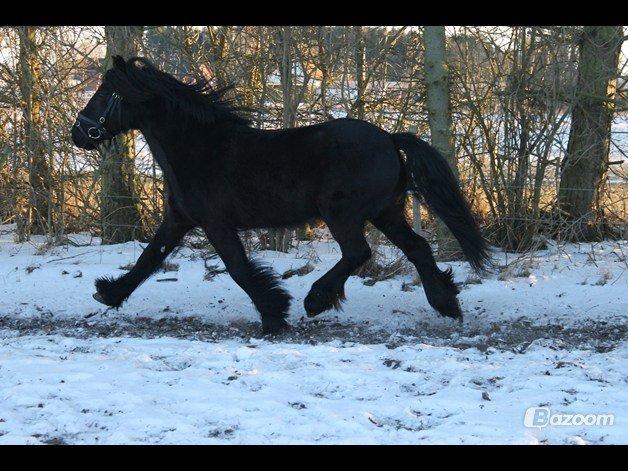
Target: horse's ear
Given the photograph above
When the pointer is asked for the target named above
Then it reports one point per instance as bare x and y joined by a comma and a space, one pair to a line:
119, 63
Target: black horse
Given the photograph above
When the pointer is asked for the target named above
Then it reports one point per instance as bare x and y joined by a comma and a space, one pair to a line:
225, 176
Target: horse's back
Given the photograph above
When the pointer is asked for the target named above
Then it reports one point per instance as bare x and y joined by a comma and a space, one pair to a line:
361, 166
284, 177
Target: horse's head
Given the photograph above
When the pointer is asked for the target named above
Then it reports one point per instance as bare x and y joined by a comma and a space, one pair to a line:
105, 115
135, 91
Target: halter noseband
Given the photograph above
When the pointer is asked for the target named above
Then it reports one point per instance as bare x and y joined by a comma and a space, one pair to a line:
96, 130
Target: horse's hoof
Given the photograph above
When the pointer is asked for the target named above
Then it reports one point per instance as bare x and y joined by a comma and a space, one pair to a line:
110, 292
315, 303
318, 301
451, 309
274, 325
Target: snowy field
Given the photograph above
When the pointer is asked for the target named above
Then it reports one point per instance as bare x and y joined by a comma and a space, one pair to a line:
183, 362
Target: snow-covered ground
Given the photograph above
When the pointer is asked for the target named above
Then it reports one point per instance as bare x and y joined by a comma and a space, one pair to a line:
182, 361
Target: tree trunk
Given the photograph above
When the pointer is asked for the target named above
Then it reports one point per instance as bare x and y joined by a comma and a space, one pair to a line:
218, 49
439, 117
35, 211
323, 66
289, 115
119, 204
360, 59
586, 160
279, 239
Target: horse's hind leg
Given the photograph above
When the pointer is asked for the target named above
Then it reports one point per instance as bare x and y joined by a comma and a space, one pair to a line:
259, 282
439, 287
328, 291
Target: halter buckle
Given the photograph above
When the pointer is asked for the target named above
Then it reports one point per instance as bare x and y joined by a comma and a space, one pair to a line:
94, 133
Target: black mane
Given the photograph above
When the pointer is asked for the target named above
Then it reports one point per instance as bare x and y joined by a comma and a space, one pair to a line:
142, 81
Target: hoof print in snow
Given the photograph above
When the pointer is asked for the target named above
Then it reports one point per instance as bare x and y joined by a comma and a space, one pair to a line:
390, 363
31, 268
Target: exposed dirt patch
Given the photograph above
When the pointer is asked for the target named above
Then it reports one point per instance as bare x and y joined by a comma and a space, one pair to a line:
515, 336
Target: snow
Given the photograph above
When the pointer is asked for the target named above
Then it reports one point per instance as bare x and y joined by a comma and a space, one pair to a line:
547, 331
172, 391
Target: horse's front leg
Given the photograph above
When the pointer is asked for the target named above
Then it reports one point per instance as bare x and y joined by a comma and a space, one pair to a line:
259, 282
114, 291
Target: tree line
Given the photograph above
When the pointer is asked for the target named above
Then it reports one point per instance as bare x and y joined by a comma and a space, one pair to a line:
532, 119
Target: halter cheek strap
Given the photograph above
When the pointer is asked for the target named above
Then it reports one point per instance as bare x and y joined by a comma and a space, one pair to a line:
96, 130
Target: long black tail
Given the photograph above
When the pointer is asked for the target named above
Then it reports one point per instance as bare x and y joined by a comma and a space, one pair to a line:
431, 177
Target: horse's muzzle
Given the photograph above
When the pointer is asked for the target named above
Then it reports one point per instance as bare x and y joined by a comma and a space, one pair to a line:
81, 141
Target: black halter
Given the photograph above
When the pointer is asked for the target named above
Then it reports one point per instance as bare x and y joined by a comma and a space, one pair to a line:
96, 130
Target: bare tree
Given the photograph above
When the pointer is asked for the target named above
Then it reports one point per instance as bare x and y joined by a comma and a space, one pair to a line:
279, 239
35, 215
439, 116
360, 75
119, 208
292, 93
586, 160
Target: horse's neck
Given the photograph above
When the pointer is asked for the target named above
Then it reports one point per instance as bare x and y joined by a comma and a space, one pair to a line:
159, 153
161, 156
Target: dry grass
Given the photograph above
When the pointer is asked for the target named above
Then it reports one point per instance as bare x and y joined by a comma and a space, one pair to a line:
81, 202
